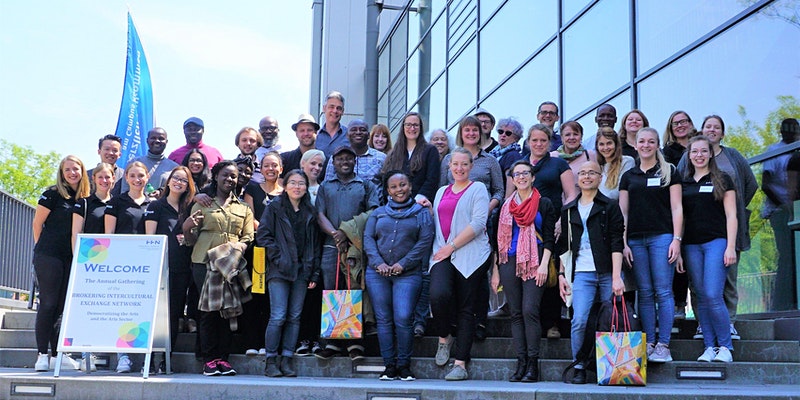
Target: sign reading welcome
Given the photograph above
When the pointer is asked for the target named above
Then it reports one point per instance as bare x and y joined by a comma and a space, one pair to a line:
113, 293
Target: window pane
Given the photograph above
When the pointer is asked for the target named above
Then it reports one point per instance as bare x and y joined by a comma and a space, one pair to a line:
571, 7
461, 84
487, 8
596, 64
438, 46
434, 117
412, 90
383, 70
675, 24
522, 94
463, 22
528, 24
399, 48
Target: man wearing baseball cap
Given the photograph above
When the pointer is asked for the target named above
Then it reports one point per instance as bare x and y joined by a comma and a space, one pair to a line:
193, 130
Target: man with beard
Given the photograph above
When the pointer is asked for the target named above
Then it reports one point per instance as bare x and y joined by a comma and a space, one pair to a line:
368, 160
488, 143
193, 130
158, 165
268, 127
306, 131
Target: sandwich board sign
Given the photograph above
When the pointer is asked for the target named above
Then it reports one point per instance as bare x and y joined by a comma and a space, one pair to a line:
117, 297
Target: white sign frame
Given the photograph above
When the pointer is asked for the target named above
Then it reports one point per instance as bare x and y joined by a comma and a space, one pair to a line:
117, 297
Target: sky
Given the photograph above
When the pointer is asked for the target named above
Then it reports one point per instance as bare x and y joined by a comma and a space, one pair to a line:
62, 66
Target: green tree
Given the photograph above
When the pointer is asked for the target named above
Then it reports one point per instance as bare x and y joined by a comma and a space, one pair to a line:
25, 173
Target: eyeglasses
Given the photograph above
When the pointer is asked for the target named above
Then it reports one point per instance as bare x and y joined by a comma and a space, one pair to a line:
698, 152
296, 183
684, 121
521, 173
268, 128
588, 173
550, 113
505, 133
485, 121
180, 180
411, 125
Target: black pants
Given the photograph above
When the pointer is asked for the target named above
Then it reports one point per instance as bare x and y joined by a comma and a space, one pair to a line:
213, 331
52, 273
449, 292
180, 278
310, 319
524, 300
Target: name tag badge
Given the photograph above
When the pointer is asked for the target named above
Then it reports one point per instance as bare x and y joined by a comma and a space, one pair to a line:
706, 189
653, 182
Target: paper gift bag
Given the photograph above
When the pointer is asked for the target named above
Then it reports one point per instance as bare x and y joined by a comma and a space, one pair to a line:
259, 271
341, 310
621, 355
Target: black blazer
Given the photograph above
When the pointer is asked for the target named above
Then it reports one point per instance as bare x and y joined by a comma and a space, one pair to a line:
606, 228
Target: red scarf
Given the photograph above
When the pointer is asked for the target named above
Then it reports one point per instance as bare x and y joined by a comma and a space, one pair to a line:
527, 250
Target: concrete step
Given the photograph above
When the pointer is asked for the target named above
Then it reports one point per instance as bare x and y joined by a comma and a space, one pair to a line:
739, 372
19, 320
106, 385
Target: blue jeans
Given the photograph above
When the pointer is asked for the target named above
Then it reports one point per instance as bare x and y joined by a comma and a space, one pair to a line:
653, 273
285, 305
587, 287
422, 309
394, 299
705, 264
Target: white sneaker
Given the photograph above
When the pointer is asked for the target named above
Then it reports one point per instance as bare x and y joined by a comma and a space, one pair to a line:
734, 333
66, 363
707, 355
124, 364
251, 352
92, 362
42, 363
698, 333
262, 351
661, 354
724, 355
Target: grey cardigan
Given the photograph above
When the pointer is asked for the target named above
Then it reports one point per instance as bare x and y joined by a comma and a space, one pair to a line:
471, 212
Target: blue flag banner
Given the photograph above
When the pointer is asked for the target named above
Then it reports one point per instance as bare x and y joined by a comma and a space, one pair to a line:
136, 111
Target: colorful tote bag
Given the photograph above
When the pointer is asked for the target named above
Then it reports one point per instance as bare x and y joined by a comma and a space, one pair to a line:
621, 355
341, 311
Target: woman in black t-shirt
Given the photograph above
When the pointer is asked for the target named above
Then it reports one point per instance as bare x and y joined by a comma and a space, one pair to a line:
710, 225
650, 200
165, 216
88, 215
52, 254
125, 215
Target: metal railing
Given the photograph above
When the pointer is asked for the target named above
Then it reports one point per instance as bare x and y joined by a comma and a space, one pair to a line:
16, 244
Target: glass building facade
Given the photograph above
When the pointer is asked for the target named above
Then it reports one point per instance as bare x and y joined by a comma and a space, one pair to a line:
739, 59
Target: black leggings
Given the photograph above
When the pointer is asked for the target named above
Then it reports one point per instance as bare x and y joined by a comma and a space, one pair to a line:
450, 292
213, 331
52, 273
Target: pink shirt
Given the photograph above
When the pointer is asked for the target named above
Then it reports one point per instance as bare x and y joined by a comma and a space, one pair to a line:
447, 207
212, 154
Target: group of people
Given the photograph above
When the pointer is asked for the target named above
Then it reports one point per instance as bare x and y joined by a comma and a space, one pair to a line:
425, 228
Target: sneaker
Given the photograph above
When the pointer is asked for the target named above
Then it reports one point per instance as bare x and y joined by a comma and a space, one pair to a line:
553, 333
251, 352
458, 373
42, 363
734, 333
708, 355
262, 351
724, 355
698, 334
328, 352
67, 362
355, 352
650, 348
443, 352
210, 369
405, 373
162, 367
661, 354
680, 313
92, 362
304, 349
315, 348
225, 368
419, 331
370, 329
389, 373
579, 378
124, 364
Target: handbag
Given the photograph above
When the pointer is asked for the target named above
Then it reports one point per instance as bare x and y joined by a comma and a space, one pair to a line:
552, 269
259, 270
566, 259
621, 355
341, 310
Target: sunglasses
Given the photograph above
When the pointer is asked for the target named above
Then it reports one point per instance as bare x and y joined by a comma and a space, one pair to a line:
504, 132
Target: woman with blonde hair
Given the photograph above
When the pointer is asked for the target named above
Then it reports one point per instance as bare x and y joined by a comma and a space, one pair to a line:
679, 130
611, 159
52, 254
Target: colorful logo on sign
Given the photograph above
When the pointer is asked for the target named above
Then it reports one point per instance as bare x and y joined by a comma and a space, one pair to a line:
132, 335
93, 250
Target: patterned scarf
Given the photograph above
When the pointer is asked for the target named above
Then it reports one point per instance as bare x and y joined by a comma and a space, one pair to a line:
569, 157
524, 215
499, 152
